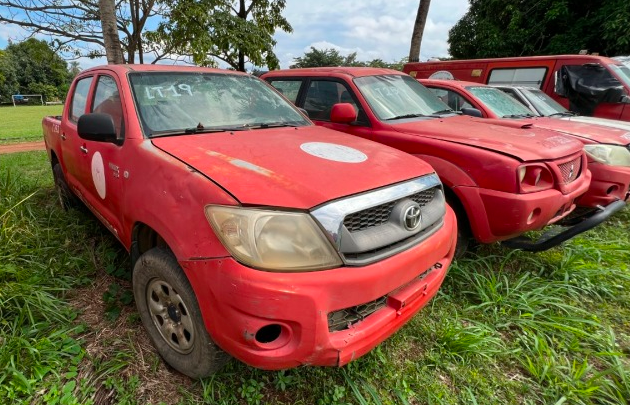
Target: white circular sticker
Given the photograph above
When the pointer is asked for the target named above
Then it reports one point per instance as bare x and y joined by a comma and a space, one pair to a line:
98, 174
334, 152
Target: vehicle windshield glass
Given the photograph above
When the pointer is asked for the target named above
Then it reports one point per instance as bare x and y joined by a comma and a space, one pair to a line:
623, 72
173, 101
392, 96
544, 104
498, 102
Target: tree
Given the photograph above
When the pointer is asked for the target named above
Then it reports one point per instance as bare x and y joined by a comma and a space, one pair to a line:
418, 30
497, 28
74, 26
332, 57
32, 67
233, 31
107, 13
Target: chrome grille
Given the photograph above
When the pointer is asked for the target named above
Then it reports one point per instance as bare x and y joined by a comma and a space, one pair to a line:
570, 170
379, 215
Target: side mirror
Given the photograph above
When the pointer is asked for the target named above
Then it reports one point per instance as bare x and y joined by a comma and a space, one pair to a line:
343, 113
473, 112
97, 127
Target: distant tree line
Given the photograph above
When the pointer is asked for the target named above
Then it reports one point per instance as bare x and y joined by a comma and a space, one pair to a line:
499, 28
32, 67
332, 57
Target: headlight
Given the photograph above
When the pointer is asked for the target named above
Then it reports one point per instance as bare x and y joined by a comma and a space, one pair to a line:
613, 155
534, 177
272, 240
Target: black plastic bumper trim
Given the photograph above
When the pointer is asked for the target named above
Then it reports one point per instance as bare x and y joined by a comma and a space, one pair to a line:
598, 216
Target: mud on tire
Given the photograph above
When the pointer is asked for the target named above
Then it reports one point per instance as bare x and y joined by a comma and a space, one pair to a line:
66, 197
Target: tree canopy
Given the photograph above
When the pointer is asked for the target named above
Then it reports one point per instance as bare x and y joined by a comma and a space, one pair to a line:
234, 31
33, 67
500, 28
332, 57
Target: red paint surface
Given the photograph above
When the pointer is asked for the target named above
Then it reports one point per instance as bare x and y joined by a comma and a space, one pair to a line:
609, 183
165, 183
477, 161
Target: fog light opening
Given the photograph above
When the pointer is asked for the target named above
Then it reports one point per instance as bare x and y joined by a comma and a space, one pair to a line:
611, 190
533, 216
268, 333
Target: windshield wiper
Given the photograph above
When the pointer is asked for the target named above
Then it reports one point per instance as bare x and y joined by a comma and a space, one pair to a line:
562, 114
399, 117
447, 111
194, 130
518, 116
259, 125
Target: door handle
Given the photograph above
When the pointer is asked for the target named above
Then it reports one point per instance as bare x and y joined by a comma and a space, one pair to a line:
84, 149
63, 137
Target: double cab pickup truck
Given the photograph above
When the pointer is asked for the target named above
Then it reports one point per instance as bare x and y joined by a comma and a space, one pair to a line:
607, 148
252, 232
501, 181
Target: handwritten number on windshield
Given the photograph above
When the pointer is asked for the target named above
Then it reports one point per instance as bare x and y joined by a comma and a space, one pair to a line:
163, 92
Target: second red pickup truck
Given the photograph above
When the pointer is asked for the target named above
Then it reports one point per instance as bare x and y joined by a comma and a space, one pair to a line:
501, 181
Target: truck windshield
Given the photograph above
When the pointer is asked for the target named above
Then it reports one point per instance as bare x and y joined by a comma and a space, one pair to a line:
499, 103
623, 72
399, 96
181, 102
544, 104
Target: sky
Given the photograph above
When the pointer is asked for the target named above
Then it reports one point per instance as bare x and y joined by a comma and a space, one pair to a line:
372, 28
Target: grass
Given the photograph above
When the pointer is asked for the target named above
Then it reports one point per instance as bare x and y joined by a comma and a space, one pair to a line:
507, 327
24, 123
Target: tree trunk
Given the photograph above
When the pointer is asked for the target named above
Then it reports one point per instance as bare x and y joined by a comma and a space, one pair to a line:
242, 13
418, 30
113, 50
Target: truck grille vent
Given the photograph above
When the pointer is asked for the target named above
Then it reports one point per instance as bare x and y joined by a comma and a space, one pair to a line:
571, 170
343, 319
379, 215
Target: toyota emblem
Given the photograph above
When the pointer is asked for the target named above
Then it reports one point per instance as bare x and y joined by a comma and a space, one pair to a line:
411, 217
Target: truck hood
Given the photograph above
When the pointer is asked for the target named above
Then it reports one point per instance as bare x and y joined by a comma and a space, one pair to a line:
622, 136
292, 167
521, 141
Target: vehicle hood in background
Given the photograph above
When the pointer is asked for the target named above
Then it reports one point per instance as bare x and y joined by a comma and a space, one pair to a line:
520, 140
292, 167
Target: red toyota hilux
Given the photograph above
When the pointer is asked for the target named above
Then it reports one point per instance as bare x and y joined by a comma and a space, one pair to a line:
501, 181
250, 229
608, 149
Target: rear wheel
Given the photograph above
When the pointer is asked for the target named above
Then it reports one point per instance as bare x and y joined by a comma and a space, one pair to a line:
170, 313
66, 197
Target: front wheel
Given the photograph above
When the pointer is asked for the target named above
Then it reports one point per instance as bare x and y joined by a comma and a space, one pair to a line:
170, 313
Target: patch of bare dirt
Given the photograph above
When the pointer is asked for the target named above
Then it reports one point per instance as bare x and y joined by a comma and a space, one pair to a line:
122, 340
22, 147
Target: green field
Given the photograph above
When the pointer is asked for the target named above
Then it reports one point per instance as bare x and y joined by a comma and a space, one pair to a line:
507, 327
24, 123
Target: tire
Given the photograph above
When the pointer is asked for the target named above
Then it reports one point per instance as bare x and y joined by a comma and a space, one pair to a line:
170, 313
66, 197
464, 234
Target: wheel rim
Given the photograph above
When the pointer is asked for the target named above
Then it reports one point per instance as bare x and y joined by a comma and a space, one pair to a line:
170, 316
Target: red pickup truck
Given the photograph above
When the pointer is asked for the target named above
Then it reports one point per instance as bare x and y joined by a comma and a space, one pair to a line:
501, 181
608, 149
250, 229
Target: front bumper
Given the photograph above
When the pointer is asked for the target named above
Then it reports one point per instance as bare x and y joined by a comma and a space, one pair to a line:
496, 215
609, 183
280, 320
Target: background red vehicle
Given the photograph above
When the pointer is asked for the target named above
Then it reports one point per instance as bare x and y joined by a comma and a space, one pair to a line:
489, 181
608, 148
587, 84
250, 229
